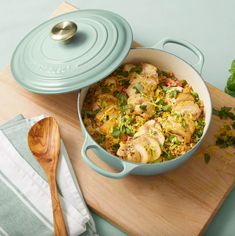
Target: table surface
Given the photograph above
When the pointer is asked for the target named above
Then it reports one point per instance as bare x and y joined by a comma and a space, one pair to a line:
209, 26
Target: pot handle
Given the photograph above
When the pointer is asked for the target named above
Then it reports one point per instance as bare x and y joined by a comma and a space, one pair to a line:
198, 66
90, 144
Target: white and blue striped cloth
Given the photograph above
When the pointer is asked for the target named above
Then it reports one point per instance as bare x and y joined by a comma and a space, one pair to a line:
25, 204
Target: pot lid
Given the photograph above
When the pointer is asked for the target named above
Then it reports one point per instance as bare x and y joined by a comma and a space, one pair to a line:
71, 51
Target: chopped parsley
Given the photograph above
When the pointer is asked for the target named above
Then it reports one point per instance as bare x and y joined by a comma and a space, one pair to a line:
125, 82
138, 88
137, 69
184, 123
207, 157
183, 82
168, 155
143, 107
224, 112
105, 90
163, 73
197, 135
173, 93
127, 130
122, 98
115, 147
120, 72
195, 95
100, 139
116, 132
90, 113
173, 140
224, 141
233, 124
166, 107
199, 125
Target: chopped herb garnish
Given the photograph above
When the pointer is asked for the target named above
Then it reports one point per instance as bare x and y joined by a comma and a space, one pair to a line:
233, 124
119, 71
105, 90
166, 107
184, 123
173, 140
100, 139
224, 112
139, 88
143, 107
160, 102
165, 88
183, 82
137, 69
116, 132
197, 135
125, 82
173, 93
168, 155
115, 147
90, 113
207, 157
161, 72
225, 137
122, 98
127, 130
195, 95
225, 141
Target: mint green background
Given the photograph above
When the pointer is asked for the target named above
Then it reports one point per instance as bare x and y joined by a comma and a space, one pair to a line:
208, 24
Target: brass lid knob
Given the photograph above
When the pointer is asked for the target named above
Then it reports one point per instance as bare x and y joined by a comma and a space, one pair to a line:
63, 31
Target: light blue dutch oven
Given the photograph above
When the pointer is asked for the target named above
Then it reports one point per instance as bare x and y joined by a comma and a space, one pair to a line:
165, 61
44, 63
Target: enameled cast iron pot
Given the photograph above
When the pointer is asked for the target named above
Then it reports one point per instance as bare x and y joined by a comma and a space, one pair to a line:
165, 61
49, 61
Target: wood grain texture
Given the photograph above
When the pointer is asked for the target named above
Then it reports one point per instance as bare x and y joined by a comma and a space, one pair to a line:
44, 143
181, 202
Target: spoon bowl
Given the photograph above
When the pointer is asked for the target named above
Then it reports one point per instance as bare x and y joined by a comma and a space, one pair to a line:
44, 143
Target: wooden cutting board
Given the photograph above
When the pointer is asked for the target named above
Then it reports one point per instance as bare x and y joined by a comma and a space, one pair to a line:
181, 202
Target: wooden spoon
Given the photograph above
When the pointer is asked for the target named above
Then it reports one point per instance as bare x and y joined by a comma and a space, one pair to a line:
44, 143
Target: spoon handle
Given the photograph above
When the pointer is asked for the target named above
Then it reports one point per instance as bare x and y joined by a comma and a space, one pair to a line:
59, 225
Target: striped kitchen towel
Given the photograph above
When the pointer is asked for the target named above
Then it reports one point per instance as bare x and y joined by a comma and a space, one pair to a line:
25, 204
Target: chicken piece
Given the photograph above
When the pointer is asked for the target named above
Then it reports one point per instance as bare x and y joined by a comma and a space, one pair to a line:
128, 67
141, 85
142, 106
149, 70
171, 94
107, 113
104, 100
184, 97
184, 129
148, 147
187, 107
128, 152
110, 83
107, 126
143, 149
153, 129
187, 89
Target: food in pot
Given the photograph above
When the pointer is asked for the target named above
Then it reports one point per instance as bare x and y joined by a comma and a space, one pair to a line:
143, 114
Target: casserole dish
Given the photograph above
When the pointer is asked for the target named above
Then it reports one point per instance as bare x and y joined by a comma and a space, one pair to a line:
72, 51
168, 62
